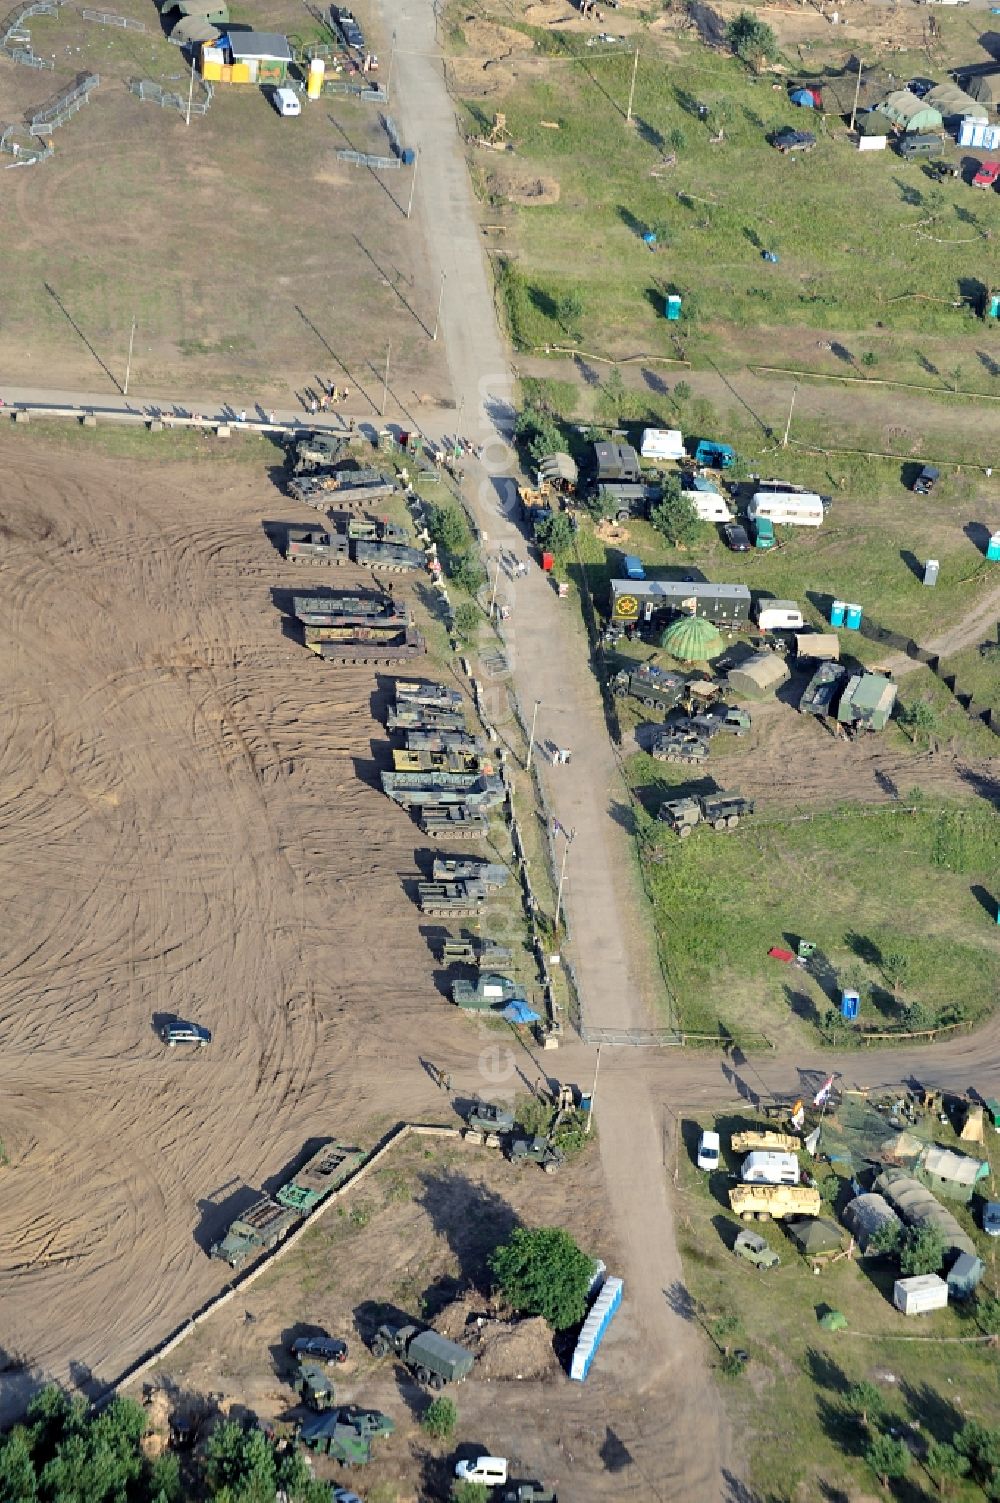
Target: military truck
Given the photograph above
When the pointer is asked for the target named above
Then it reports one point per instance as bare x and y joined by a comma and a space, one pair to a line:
678, 745
434, 696
411, 789
388, 556
414, 718
753, 1248
319, 1176
822, 689
452, 899
487, 1117
535, 1150
314, 1388
358, 610
721, 719
659, 688
488, 991
623, 499
433, 1359
867, 701
723, 811
454, 821
456, 868
325, 1434
313, 545
376, 530
366, 644
614, 461
772, 1202
528, 1492
258, 1230
763, 1140
372, 1424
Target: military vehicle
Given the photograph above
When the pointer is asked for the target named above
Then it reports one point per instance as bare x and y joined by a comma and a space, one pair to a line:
454, 821
356, 610
411, 789
764, 1140
312, 545
452, 899
772, 1202
432, 1358
340, 484
456, 868
388, 556
319, 1175
528, 1492
754, 1249
370, 1423
822, 689
375, 530
659, 688
535, 1150
310, 451
723, 811
721, 719
324, 1433
867, 701
435, 696
440, 761
431, 740
366, 644
258, 1230
488, 1117
425, 718
314, 1388
488, 991
321, 1350
678, 745
474, 951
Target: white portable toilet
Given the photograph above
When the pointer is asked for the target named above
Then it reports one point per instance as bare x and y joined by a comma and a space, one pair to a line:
931, 568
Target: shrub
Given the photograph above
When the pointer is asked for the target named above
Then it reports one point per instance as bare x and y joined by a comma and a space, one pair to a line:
543, 1272
440, 1419
753, 41
467, 619
921, 1250
674, 516
447, 528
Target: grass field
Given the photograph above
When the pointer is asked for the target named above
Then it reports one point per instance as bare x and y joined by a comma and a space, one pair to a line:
863, 241
789, 1403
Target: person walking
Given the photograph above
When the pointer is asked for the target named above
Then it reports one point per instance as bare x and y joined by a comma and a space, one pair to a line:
243, 414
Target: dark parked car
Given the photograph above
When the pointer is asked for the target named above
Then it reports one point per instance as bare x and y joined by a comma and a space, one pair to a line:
926, 480
176, 1033
788, 139
323, 1349
735, 537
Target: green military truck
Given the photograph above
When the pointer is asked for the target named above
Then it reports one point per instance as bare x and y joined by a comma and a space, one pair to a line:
722, 811
314, 1388
433, 1359
319, 1177
658, 688
259, 1229
325, 1434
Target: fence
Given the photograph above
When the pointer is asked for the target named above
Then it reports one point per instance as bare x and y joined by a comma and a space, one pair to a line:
25, 155
363, 159
369, 93
108, 18
16, 42
145, 88
64, 105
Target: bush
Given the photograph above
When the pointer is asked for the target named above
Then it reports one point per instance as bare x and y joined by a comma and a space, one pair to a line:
467, 620
439, 1419
921, 1250
554, 534
447, 528
674, 516
753, 41
469, 1492
543, 1272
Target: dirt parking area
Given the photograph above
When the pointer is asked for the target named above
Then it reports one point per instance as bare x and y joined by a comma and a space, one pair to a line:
191, 826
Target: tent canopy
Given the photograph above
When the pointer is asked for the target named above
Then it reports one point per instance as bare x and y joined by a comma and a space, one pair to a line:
759, 675
873, 123
910, 113
867, 1214
692, 639
815, 1235
519, 1012
919, 1207
949, 100
984, 89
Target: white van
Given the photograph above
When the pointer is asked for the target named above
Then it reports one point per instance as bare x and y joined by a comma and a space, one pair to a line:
709, 506
778, 615
488, 1471
708, 1150
286, 102
787, 508
662, 443
770, 1169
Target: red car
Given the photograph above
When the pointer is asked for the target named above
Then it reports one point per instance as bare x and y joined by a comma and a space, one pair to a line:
987, 176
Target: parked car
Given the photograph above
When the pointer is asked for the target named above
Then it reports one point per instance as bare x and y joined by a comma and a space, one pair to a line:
754, 1249
788, 139
987, 176
709, 1146
926, 480
735, 537
991, 1218
763, 533
325, 1349
173, 1034
490, 1471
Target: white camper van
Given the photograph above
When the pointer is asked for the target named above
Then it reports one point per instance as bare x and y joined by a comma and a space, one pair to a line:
778, 615
709, 506
286, 102
770, 1169
787, 508
662, 443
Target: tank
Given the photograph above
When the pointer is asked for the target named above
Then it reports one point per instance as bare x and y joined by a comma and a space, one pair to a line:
364, 644
328, 610
314, 83
318, 1177
425, 718
437, 696
391, 556
412, 789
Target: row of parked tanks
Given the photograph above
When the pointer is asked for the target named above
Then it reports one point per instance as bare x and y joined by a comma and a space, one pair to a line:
368, 627
447, 776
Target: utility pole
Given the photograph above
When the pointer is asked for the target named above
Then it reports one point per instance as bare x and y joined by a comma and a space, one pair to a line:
857, 95
187, 120
385, 378
531, 738
493, 593
568, 836
413, 182
593, 1094
788, 425
392, 54
128, 363
437, 316
631, 92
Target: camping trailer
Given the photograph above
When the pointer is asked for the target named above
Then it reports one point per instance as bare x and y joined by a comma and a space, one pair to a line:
787, 509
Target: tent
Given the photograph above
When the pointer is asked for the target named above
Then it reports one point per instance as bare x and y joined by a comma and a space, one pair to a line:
193, 29
760, 675
902, 1148
692, 639
953, 1175
867, 1214
813, 1235
519, 1012
558, 470
873, 123
984, 89
839, 94
953, 103
909, 113
917, 1205
806, 99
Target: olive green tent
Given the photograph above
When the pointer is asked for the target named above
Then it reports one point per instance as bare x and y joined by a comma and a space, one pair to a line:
910, 113
692, 640
813, 1234
873, 123
984, 89
953, 103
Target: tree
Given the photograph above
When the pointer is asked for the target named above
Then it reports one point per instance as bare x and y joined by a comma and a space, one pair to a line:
919, 717
569, 310
600, 507
677, 139
467, 572
982, 1447
537, 431
895, 967
18, 1481
752, 41
440, 1419
469, 1492
921, 1250
946, 1465
674, 515
467, 620
543, 1272
886, 1238
554, 533
865, 1401
239, 1464
888, 1458
447, 528
681, 393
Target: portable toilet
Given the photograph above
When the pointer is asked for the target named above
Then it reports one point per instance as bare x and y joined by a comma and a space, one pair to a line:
672, 306
850, 1001
548, 562
931, 568
649, 238
993, 548
964, 1275
853, 618
837, 610
993, 305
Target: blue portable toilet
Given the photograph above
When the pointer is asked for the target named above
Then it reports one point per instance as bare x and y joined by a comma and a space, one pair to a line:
994, 308
408, 156
837, 609
931, 570
649, 238
853, 620
672, 306
849, 1004
993, 548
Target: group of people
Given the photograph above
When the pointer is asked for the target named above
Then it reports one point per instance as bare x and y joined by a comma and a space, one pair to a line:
329, 397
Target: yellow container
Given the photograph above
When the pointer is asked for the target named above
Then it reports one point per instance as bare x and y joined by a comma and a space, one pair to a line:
317, 72
241, 72
211, 72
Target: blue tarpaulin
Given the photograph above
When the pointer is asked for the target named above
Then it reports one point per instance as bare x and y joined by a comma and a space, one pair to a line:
519, 1012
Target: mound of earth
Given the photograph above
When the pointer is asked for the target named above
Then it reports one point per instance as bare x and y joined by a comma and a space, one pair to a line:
505, 1347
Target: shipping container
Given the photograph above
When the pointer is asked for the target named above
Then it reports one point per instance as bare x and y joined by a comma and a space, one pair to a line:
920, 1294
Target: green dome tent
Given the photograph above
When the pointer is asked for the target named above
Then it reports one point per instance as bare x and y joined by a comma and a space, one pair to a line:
692, 640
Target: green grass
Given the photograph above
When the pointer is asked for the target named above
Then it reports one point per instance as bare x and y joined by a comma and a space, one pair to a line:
128, 441
798, 1373
861, 884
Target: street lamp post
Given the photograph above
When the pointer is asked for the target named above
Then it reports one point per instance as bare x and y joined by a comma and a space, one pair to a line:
437, 316
568, 837
531, 738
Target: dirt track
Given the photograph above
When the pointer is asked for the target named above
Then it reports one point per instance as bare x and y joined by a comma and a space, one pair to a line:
177, 785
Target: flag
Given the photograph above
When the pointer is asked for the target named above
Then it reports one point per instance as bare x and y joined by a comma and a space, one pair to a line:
822, 1096
798, 1115
557, 828
811, 1143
